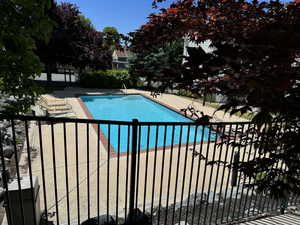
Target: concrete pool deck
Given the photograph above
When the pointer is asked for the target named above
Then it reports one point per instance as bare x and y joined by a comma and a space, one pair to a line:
117, 167
176, 102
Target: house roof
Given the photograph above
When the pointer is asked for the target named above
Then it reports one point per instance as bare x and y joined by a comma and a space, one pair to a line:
122, 53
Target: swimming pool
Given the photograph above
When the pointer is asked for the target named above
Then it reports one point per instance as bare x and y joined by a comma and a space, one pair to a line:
128, 107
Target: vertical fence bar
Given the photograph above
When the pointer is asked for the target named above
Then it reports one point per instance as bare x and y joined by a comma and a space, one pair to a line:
268, 140
108, 173
5, 181
217, 175
191, 175
170, 172
162, 174
88, 169
133, 168
18, 170
232, 170
146, 170
239, 174
205, 167
198, 173
229, 170
282, 161
127, 171
296, 130
43, 170
54, 173
118, 175
277, 165
249, 182
67, 175
224, 136
77, 172
138, 166
284, 128
98, 173
70, 77
177, 172
265, 139
243, 160
184, 170
209, 183
154, 169
234, 176
261, 142
30, 170
284, 168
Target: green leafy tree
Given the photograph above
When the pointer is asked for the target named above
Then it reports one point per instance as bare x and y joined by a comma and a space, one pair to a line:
112, 38
160, 64
74, 41
21, 24
86, 21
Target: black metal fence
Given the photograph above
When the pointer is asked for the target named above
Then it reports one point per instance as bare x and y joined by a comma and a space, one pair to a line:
91, 168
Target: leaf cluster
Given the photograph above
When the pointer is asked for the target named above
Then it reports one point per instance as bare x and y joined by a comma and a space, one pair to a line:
21, 24
74, 41
255, 64
160, 64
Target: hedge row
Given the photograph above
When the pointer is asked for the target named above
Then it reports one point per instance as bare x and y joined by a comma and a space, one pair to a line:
107, 79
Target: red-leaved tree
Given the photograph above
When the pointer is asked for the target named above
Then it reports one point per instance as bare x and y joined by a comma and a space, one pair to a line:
255, 64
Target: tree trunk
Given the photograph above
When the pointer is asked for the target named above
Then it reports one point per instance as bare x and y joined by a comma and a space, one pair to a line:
204, 98
148, 79
80, 71
49, 74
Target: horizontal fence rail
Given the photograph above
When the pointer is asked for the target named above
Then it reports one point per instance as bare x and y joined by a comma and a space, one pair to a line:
127, 172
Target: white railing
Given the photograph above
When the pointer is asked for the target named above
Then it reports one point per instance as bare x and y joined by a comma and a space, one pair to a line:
124, 88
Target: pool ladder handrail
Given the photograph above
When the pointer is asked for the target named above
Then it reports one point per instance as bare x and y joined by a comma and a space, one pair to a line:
124, 87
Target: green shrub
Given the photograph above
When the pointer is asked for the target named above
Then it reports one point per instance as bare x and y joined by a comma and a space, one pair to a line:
210, 98
107, 79
186, 93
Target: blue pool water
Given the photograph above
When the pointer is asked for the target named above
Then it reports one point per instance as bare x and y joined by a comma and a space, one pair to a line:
128, 107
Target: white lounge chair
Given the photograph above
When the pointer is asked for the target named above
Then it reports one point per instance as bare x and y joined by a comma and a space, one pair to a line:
55, 107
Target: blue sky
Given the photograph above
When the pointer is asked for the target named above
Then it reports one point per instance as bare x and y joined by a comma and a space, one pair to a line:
125, 15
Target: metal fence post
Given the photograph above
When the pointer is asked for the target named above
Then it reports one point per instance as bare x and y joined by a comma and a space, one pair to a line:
133, 169
236, 161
